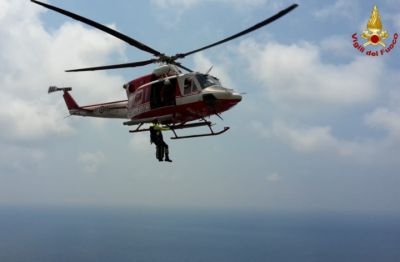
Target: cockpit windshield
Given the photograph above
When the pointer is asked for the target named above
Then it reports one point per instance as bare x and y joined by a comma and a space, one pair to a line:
207, 80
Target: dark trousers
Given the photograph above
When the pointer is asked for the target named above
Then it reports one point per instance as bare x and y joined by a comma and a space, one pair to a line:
161, 149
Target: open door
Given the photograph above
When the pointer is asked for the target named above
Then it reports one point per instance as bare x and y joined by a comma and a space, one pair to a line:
163, 93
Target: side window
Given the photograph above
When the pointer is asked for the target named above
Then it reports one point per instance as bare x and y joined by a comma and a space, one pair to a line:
147, 94
187, 86
138, 98
194, 87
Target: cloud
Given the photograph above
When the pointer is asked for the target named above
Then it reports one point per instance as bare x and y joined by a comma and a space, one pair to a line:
179, 7
182, 4
272, 178
14, 158
386, 119
396, 21
320, 142
91, 161
140, 142
312, 139
244, 4
202, 64
28, 120
187, 4
341, 8
296, 74
338, 45
32, 58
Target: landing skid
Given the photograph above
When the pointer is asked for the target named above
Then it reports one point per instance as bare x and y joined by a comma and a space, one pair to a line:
209, 124
184, 126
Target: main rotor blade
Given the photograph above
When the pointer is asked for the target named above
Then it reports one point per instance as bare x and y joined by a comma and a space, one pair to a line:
101, 27
134, 64
183, 67
251, 29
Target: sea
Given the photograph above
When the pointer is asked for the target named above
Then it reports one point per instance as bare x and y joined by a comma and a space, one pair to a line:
163, 234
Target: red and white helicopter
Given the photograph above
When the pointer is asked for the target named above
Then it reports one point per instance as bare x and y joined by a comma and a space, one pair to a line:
176, 99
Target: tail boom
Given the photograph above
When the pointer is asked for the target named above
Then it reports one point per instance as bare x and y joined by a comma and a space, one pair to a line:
117, 109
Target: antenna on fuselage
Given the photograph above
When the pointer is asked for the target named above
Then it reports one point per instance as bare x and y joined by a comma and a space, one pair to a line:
209, 70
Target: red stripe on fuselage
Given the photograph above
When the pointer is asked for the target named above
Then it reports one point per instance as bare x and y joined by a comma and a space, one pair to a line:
107, 104
188, 112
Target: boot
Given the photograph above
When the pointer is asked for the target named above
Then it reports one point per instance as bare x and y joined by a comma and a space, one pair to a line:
166, 151
167, 158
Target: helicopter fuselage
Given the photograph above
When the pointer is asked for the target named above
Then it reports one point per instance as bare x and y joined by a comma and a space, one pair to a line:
165, 95
177, 98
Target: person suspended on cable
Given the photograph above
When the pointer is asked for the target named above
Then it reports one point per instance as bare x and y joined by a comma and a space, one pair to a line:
156, 137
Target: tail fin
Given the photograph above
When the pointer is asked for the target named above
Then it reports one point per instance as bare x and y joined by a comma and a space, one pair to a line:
69, 100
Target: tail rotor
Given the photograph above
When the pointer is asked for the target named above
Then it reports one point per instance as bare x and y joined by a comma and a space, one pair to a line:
53, 89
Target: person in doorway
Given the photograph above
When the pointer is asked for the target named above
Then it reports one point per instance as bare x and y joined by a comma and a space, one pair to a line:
156, 137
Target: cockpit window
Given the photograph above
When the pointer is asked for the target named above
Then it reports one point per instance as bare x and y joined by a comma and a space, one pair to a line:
207, 80
190, 86
187, 86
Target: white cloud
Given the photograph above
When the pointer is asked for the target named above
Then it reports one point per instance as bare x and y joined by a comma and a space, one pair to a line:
243, 4
320, 143
203, 64
187, 4
296, 73
272, 178
338, 45
33, 58
140, 142
319, 139
396, 21
91, 161
306, 140
387, 119
29, 120
312, 139
179, 7
342, 8
14, 158
181, 4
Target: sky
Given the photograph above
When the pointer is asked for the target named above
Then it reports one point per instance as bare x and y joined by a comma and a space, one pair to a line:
318, 128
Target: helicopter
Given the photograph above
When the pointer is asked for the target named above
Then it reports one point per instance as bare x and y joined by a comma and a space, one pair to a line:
176, 99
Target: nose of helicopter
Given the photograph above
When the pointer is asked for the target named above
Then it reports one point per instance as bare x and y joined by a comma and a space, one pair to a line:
221, 98
224, 94
236, 96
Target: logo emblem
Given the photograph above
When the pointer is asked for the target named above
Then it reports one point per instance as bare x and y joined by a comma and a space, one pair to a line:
374, 36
